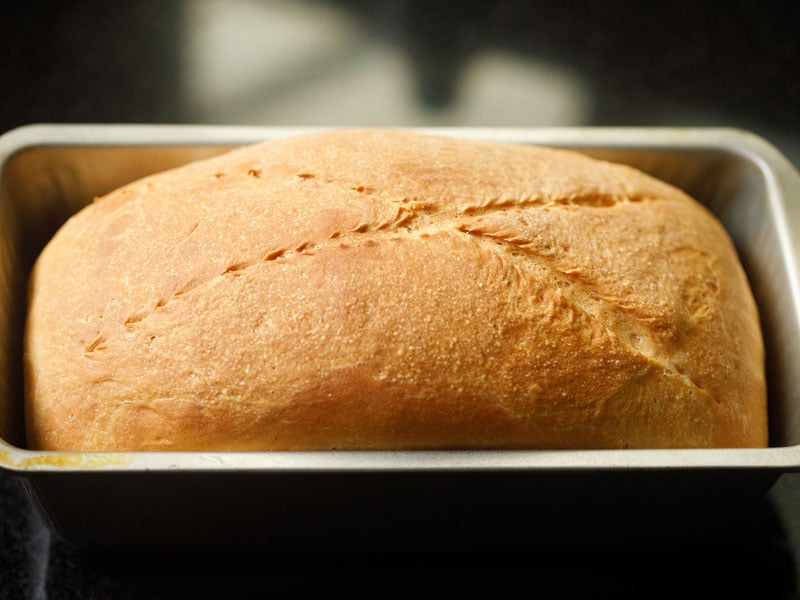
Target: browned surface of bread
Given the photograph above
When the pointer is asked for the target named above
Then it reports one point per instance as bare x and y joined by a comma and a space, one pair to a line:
363, 289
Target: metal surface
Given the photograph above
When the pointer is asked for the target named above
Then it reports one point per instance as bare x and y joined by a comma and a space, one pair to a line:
146, 500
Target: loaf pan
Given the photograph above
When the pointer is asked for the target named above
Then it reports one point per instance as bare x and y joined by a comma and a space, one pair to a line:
223, 501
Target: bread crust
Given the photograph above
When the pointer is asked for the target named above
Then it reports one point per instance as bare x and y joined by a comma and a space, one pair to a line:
384, 289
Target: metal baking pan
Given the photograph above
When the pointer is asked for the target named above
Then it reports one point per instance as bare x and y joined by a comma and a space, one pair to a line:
218, 501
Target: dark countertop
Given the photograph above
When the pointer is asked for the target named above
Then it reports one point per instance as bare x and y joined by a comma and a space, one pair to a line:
317, 62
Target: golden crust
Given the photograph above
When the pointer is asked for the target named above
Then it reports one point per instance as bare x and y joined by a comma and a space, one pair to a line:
385, 289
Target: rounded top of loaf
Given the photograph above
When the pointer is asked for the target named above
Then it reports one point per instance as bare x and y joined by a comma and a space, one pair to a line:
363, 289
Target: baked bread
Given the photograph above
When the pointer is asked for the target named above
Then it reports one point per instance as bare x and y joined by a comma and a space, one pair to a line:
384, 289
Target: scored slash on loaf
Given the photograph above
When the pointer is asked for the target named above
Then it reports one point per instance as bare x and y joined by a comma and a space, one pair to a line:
385, 289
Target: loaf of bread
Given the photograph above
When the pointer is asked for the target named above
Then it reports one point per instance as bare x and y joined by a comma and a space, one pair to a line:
385, 289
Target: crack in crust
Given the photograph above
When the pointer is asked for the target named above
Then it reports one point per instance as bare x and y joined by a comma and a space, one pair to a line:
636, 339
421, 219
596, 200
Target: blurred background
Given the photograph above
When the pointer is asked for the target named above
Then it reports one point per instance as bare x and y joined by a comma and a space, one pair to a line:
406, 63
395, 62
